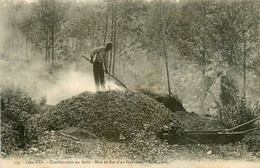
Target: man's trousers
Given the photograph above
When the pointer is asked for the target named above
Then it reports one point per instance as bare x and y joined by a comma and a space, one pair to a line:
99, 75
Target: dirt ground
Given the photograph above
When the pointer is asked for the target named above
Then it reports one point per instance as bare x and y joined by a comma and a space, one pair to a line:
77, 143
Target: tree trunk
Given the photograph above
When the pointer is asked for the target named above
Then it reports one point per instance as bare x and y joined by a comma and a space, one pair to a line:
52, 41
204, 58
12, 47
114, 40
111, 38
244, 53
27, 37
244, 67
9, 51
105, 34
26, 47
46, 47
166, 66
94, 32
22, 49
164, 49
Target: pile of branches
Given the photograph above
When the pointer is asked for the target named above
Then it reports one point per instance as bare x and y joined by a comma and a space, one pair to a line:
112, 115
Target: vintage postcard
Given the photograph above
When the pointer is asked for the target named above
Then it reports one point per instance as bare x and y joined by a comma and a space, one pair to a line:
130, 83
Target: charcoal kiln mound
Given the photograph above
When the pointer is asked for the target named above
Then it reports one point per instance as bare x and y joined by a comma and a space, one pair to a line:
173, 102
113, 115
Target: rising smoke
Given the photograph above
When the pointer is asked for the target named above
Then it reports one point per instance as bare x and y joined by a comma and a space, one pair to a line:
36, 80
73, 82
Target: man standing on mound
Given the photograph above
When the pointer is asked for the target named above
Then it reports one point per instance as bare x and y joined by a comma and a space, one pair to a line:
99, 58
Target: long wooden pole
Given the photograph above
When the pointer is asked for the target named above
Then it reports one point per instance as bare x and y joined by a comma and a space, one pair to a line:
109, 74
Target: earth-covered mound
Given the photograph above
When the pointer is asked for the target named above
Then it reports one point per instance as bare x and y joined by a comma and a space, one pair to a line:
172, 102
113, 115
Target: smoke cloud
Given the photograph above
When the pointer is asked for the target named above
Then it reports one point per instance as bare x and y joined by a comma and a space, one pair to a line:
72, 83
36, 80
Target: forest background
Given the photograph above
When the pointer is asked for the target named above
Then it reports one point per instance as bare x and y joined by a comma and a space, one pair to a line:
179, 48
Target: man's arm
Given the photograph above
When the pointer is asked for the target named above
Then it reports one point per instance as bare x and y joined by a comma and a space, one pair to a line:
106, 62
93, 52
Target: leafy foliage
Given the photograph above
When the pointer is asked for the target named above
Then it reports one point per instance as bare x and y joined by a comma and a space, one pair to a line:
239, 113
18, 125
252, 140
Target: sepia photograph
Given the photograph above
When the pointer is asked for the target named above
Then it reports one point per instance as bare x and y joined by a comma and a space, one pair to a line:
130, 83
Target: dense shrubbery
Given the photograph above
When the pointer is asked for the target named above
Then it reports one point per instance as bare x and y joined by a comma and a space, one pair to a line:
18, 123
252, 140
239, 113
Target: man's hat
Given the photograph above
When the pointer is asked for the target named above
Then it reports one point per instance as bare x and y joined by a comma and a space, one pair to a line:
109, 44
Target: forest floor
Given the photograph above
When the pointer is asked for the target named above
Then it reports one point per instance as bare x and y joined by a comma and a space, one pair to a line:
77, 143
74, 143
